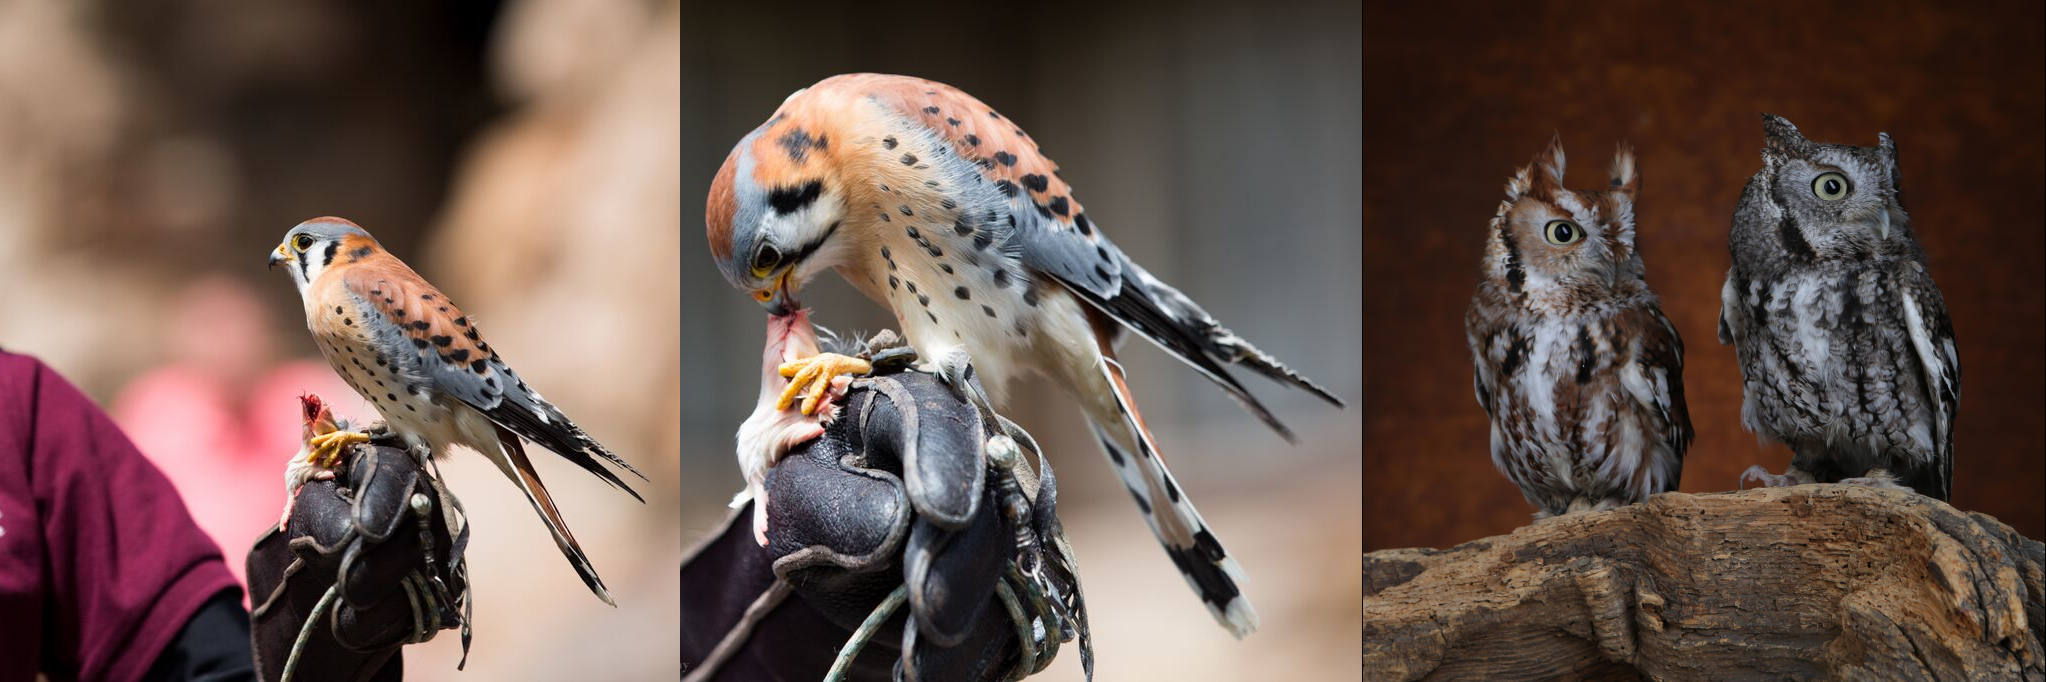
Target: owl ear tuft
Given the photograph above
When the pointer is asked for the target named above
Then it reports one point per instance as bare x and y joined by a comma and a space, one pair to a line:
1888, 149
1782, 135
1551, 162
1625, 178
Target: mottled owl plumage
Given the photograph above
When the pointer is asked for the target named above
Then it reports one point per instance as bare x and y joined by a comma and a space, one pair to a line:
1579, 371
1845, 349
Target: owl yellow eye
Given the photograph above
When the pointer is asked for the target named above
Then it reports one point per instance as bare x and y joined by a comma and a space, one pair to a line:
1562, 232
765, 260
1830, 186
301, 243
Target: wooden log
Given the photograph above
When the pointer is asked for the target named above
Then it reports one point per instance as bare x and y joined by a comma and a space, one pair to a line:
1814, 582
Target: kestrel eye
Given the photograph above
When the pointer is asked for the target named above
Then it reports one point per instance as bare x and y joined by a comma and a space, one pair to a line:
1830, 186
1562, 232
302, 242
765, 260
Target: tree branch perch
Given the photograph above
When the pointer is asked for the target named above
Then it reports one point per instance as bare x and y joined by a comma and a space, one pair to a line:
1800, 583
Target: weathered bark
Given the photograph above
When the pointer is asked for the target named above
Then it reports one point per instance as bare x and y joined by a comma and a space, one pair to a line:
1800, 583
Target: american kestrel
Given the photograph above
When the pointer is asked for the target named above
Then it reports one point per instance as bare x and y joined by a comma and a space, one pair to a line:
402, 344
945, 212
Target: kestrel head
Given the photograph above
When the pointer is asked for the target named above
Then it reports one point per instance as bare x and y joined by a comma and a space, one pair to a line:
313, 245
773, 209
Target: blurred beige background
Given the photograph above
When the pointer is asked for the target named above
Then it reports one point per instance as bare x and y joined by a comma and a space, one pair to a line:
1220, 146
521, 155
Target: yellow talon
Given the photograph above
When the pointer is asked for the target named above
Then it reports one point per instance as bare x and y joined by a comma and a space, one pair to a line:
813, 375
327, 447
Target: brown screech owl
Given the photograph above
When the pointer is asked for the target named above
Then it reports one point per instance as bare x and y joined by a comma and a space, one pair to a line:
1579, 370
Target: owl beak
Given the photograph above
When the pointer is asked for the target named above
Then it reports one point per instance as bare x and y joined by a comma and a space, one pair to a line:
1886, 222
779, 298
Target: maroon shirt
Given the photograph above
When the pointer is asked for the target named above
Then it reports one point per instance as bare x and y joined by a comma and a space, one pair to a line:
100, 565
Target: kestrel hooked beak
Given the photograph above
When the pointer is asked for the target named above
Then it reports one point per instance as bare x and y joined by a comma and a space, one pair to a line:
779, 297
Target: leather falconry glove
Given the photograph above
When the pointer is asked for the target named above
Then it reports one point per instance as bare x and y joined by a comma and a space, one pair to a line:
910, 541
371, 561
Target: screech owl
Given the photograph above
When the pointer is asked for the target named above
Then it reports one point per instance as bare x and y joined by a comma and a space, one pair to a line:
1846, 352
1580, 372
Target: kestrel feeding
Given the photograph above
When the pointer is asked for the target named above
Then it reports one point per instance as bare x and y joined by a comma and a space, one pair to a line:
946, 213
422, 363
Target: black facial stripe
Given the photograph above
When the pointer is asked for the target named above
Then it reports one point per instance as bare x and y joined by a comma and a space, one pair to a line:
305, 265
787, 200
811, 247
328, 257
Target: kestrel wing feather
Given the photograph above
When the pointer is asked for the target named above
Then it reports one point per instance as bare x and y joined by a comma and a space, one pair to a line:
445, 347
1040, 216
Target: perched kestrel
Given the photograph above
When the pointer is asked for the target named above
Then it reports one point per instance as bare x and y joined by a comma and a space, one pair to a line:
945, 212
403, 345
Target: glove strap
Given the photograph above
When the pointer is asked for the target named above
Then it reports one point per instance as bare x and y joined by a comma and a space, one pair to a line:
458, 533
865, 634
305, 632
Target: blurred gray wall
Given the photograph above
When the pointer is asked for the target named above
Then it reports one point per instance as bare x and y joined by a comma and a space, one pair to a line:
1219, 145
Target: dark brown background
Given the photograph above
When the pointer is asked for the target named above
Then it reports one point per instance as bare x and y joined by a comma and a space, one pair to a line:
1464, 96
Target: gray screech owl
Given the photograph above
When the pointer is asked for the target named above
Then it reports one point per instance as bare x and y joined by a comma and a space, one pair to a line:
1846, 352
1580, 373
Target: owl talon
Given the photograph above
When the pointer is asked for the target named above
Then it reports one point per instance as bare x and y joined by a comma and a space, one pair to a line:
1877, 478
814, 376
325, 449
1767, 480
